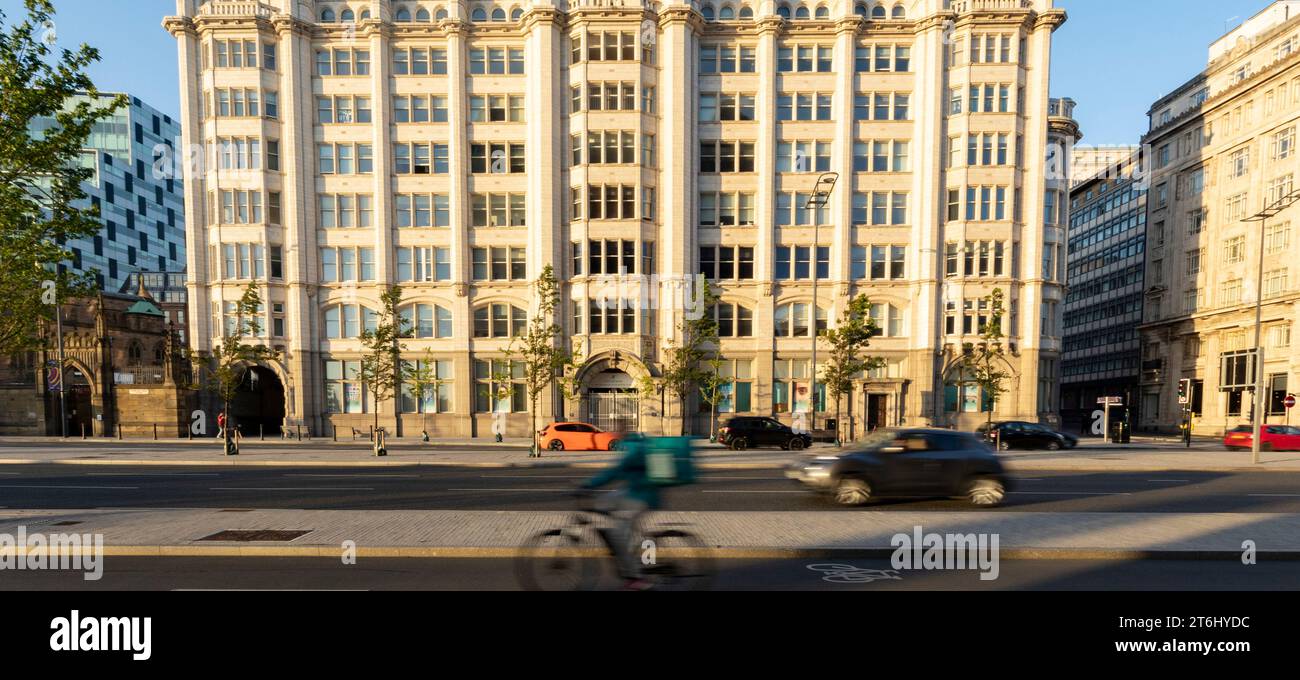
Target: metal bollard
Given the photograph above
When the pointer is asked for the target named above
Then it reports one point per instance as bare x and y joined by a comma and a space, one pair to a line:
334, 432
298, 428
83, 430
261, 432
119, 431
155, 431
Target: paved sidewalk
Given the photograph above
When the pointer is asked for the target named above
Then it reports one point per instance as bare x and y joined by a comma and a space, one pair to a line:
1092, 455
1025, 535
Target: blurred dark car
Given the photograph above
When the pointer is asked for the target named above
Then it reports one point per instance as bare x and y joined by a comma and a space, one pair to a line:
747, 432
909, 463
1272, 438
1023, 435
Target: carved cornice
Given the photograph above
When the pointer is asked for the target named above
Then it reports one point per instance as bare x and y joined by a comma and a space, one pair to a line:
1052, 18
179, 25
940, 20
681, 14
771, 24
544, 17
285, 24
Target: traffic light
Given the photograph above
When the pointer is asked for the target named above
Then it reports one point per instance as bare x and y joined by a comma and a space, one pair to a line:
1185, 391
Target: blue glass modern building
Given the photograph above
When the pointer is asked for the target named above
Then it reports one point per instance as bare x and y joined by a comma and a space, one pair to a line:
142, 207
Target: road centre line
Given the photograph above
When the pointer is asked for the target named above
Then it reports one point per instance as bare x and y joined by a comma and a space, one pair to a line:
62, 486
291, 488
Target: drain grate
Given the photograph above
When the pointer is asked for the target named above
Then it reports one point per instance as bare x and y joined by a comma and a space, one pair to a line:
236, 510
65, 523
248, 536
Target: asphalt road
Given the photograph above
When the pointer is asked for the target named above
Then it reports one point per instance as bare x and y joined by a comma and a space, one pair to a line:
451, 488
248, 573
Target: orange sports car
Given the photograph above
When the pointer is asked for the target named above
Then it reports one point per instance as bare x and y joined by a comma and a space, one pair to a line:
578, 437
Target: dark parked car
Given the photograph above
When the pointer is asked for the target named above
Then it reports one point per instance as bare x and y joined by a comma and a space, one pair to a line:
749, 432
1022, 435
909, 463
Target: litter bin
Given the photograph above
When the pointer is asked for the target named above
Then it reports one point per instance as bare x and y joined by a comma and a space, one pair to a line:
1120, 432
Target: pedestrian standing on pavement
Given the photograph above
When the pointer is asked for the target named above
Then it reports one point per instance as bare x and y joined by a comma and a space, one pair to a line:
221, 425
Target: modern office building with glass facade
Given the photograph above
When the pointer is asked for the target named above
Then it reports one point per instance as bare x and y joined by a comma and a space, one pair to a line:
1103, 309
139, 195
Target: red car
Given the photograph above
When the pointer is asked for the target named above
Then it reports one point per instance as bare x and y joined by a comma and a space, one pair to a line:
578, 437
1272, 438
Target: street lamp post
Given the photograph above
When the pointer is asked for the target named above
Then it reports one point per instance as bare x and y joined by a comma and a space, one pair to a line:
1272, 210
820, 197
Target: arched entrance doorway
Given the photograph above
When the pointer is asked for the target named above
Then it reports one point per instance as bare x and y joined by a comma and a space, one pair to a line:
258, 407
613, 404
78, 401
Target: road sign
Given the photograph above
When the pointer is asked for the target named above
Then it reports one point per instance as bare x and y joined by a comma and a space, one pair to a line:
1110, 401
1289, 402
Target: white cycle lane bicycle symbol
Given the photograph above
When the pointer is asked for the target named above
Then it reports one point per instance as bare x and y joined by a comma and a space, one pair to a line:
847, 573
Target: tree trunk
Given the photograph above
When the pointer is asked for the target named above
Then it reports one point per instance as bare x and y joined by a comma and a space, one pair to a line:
537, 448
838, 426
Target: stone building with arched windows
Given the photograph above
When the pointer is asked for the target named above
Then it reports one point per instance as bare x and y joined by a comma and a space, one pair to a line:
457, 147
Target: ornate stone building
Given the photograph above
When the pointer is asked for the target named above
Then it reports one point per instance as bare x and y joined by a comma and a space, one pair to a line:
456, 148
124, 368
1221, 148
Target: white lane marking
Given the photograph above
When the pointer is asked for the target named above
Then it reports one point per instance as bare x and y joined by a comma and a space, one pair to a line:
291, 488
535, 476
362, 474
758, 491
560, 490
1073, 493
15, 474
152, 474
61, 486
270, 590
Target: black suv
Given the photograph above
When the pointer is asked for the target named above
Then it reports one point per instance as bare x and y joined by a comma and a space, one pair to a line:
745, 432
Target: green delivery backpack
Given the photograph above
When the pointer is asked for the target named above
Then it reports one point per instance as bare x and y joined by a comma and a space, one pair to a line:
668, 461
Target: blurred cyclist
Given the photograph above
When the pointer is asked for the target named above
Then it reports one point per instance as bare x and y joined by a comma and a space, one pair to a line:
627, 505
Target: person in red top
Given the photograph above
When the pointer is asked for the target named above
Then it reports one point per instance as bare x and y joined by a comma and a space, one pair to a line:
221, 424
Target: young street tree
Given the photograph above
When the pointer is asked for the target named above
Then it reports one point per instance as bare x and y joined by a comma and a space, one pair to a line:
850, 337
685, 356
712, 384
423, 378
232, 359
380, 369
41, 175
541, 349
985, 362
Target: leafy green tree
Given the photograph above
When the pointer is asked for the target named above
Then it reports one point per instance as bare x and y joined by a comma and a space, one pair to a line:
850, 337
380, 369
231, 360
541, 349
423, 378
712, 383
985, 361
41, 174
695, 342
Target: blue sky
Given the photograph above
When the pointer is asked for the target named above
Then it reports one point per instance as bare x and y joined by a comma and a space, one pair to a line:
1114, 57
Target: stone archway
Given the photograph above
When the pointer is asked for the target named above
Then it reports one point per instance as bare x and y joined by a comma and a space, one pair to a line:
259, 404
609, 396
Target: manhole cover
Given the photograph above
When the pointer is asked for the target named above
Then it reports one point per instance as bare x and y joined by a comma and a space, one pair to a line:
247, 536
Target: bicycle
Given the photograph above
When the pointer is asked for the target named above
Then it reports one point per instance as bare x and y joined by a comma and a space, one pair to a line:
570, 557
